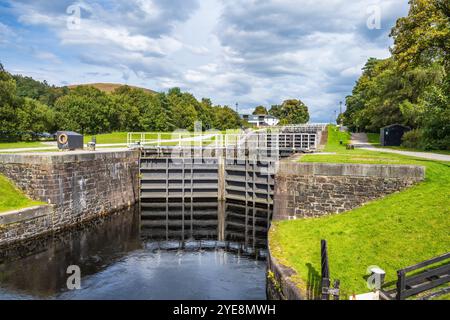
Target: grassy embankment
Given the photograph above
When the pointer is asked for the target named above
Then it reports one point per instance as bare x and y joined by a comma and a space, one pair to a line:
399, 230
11, 198
17, 145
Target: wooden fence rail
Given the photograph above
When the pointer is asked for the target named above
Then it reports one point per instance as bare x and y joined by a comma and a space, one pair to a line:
435, 273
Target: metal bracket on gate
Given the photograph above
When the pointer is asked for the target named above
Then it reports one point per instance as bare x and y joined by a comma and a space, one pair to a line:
331, 291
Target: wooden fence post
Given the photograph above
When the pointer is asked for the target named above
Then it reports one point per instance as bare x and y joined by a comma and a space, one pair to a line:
400, 284
325, 270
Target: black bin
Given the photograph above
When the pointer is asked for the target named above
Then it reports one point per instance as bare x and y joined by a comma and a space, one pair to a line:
392, 135
68, 140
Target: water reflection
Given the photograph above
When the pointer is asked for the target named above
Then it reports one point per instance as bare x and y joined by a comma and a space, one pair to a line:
224, 224
202, 250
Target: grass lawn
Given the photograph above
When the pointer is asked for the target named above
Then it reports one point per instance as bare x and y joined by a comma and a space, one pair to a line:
373, 138
17, 145
399, 230
121, 137
11, 198
115, 137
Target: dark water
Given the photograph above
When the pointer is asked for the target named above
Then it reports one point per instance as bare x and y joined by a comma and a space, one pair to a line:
177, 251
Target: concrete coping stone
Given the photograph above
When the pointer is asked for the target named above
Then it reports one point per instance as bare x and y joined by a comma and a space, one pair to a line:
19, 215
65, 157
346, 169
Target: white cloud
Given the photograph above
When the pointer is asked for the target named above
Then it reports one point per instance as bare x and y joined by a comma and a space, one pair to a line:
6, 33
247, 51
47, 56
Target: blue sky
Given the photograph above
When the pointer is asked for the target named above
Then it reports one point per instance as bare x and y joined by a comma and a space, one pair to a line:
252, 52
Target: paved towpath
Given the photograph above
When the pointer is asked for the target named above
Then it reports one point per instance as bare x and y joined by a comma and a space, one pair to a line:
53, 146
361, 141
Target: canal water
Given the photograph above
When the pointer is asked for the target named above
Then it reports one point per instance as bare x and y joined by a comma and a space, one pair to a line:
202, 250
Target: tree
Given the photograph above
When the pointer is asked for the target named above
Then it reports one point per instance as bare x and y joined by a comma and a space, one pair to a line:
436, 121
27, 87
423, 36
226, 118
291, 112
183, 110
260, 110
413, 86
34, 116
384, 95
8, 102
206, 114
275, 110
86, 110
137, 110
159, 114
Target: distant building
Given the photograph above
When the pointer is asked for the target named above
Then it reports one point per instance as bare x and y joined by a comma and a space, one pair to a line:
260, 120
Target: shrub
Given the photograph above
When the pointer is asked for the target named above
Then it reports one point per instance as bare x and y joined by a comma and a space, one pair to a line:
413, 139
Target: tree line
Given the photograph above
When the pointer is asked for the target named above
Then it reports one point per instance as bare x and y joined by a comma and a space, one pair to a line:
291, 111
412, 87
28, 105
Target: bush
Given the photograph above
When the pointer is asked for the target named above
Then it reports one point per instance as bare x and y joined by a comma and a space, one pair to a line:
413, 139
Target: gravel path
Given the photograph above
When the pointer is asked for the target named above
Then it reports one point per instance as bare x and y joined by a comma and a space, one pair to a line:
360, 141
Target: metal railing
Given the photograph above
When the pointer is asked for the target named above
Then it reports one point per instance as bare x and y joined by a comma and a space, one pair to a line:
158, 139
297, 137
248, 140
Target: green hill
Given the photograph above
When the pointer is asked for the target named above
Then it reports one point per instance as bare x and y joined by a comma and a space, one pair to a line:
108, 87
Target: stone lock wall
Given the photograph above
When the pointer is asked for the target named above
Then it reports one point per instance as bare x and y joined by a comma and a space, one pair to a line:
77, 187
279, 285
315, 189
304, 190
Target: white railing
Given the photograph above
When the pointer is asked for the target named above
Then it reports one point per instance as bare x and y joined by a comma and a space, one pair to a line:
259, 140
159, 139
301, 137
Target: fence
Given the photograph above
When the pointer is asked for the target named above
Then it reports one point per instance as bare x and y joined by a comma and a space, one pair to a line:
425, 276
297, 141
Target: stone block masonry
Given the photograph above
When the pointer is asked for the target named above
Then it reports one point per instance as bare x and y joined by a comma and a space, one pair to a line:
77, 186
314, 189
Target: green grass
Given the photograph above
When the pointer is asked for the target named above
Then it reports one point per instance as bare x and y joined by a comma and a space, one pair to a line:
115, 137
336, 139
373, 138
17, 145
121, 137
443, 297
11, 198
399, 230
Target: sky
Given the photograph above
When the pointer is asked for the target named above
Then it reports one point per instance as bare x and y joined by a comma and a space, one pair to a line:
250, 52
